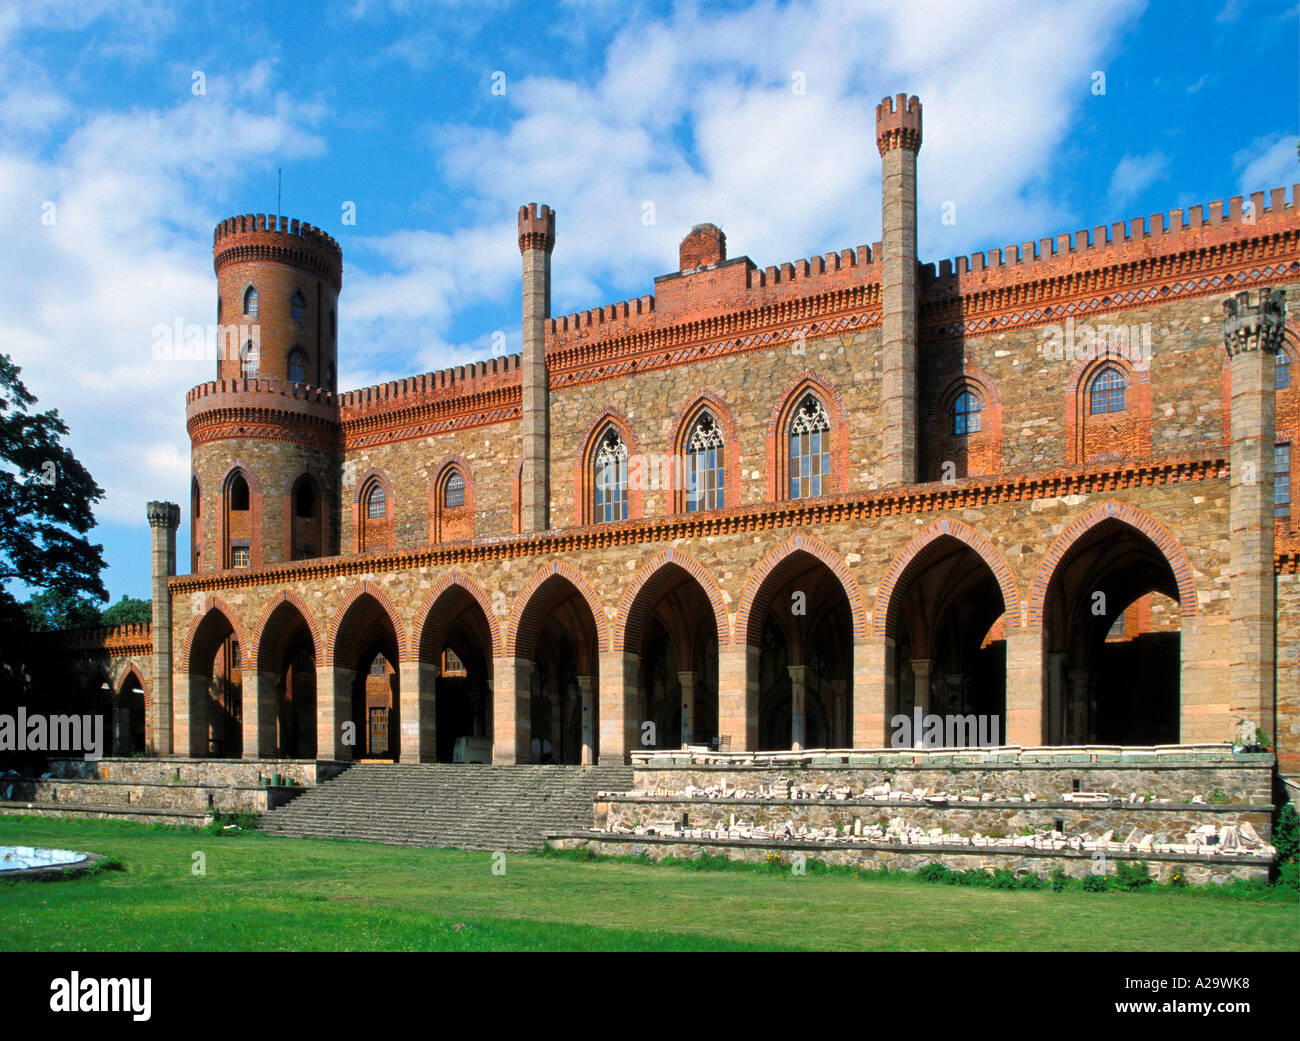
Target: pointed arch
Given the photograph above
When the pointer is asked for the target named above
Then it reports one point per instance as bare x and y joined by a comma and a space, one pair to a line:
574, 577
463, 581
1125, 513
1129, 429
373, 533
810, 381
131, 667
270, 627
584, 483
333, 646
751, 607
449, 520
240, 532
192, 632
916, 552
647, 579
705, 401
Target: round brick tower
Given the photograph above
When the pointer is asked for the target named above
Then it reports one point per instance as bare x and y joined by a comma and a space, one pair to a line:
265, 438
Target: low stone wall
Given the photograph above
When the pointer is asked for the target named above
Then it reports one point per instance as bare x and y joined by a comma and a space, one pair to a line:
304, 773
88, 792
994, 819
1196, 869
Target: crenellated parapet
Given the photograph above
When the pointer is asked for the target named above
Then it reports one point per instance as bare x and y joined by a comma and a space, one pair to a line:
536, 228
898, 124
1256, 326
260, 236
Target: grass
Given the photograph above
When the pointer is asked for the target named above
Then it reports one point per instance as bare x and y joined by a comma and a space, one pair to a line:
262, 892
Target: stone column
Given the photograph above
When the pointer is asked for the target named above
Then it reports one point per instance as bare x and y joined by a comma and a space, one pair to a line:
333, 710
921, 673
587, 699
620, 728
874, 691
164, 517
417, 685
1056, 724
798, 705
536, 241
260, 716
1081, 722
1252, 335
898, 138
122, 725
738, 695
840, 736
511, 696
1025, 685
688, 681
190, 697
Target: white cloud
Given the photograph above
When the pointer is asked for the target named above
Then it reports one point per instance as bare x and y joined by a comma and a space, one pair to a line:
1134, 174
1267, 163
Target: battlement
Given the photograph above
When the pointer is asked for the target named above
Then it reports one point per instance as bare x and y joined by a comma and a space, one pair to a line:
261, 236
536, 227
1123, 241
445, 384
101, 637
898, 123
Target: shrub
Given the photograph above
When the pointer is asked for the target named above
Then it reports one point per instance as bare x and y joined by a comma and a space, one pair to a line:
1058, 880
1030, 880
1096, 884
1004, 878
1177, 878
934, 872
1132, 874
1288, 875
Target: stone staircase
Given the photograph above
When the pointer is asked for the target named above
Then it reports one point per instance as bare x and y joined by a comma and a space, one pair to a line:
479, 807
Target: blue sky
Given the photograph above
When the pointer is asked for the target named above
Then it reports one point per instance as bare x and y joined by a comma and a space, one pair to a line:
606, 106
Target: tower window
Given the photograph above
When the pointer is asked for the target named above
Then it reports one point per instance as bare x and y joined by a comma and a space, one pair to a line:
250, 302
1283, 370
1107, 394
810, 452
610, 484
376, 502
1282, 480
248, 359
297, 366
966, 414
304, 499
296, 303
239, 556
453, 492
705, 481
239, 493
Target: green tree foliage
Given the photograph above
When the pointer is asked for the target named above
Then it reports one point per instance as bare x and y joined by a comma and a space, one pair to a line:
129, 611
46, 500
51, 609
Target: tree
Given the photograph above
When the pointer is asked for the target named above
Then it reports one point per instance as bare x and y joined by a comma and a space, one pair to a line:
129, 611
46, 500
51, 609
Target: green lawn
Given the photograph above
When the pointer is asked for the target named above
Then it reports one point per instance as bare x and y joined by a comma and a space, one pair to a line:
267, 893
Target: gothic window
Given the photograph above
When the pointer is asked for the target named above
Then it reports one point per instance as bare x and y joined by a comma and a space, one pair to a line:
250, 302
1107, 392
610, 478
810, 449
1283, 370
1282, 480
705, 485
297, 366
296, 303
453, 491
376, 502
248, 359
965, 414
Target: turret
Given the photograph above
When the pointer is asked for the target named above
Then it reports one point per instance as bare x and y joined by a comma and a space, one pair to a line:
536, 240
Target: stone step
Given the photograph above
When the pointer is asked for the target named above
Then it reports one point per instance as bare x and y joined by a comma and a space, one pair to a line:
139, 814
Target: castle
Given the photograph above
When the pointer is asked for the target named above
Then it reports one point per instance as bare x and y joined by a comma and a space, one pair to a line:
763, 508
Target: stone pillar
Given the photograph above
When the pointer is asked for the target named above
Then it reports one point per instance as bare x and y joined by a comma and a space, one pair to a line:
587, 706
333, 710
122, 726
511, 696
1252, 335
190, 698
874, 694
898, 137
417, 686
260, 716
620, 727
738, 696
688, 682
1057, 720
798, 705
164, 517
840, 735
536, 241
922, 668
1080, 728
1025, 685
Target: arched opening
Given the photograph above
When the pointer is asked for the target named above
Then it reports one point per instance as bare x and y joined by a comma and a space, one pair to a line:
809, 452
558, 640
704, 451
672, 631
296, 306
238, 521
802, 628
367, 649
288, 652
1112, 648
196, 526
946, 617
216, 688
453, 511
456, 644
373, 519
129, 724
306, 528
610, 477
297, 369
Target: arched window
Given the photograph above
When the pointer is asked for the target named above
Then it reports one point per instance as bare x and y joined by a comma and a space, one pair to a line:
376, 502
248, 359
218, 307
304, 499
250, 302
965, 414
705, 483
297, 366
238, 492
196, 525
306, 536
1283, 370
810, 449
1107, 392
610, 478
296, 303
238, 521
453, 491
